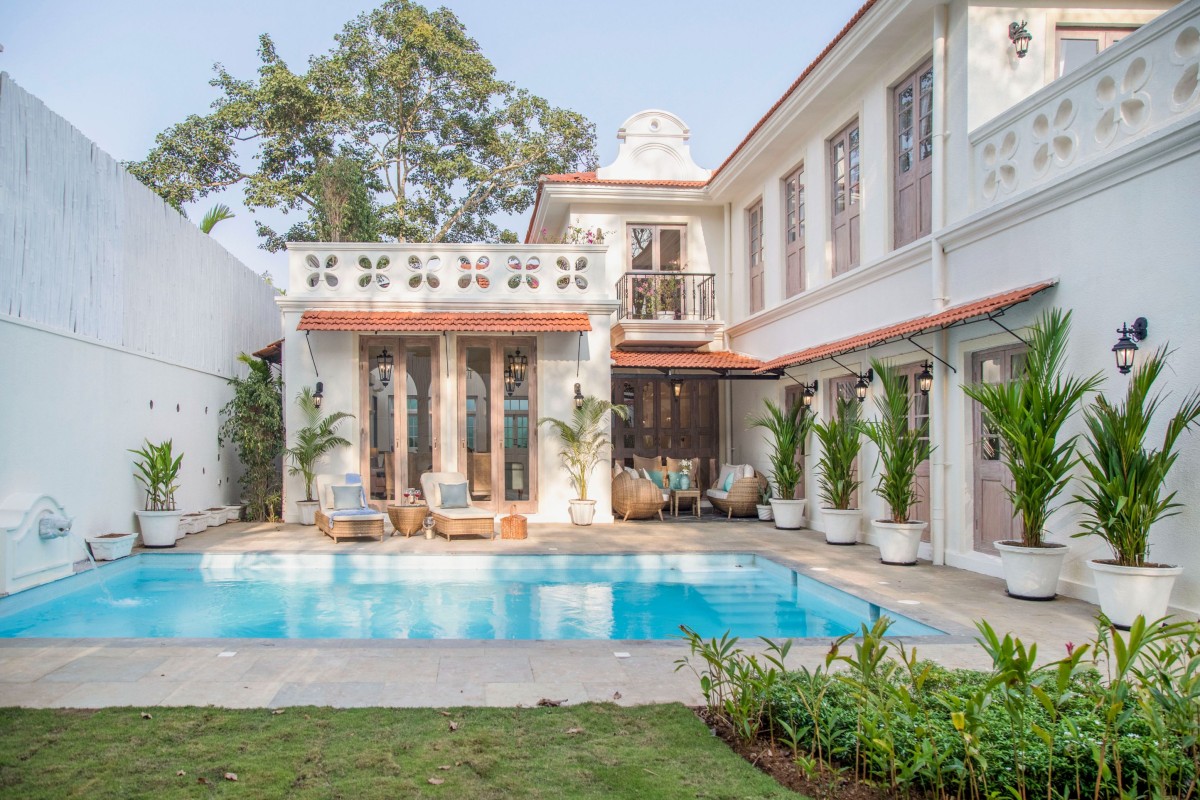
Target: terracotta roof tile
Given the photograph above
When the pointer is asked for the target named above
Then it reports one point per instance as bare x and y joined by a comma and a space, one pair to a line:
590, 177
942, 319
686, 359
425, 321
272, 352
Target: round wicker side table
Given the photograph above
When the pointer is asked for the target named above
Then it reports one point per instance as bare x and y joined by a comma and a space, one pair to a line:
407, 519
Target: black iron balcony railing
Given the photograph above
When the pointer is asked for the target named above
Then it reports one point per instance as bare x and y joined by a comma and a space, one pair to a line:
667, 295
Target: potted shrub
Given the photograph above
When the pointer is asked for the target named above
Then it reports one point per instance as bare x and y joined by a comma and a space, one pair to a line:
667, 299
584, 445
110, 546
157, 469
1124, 494
901, 449
787, 428
765, 512
1028, 414
841, 439
314, 441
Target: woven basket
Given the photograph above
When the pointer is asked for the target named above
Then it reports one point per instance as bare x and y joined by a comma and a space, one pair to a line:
514, 526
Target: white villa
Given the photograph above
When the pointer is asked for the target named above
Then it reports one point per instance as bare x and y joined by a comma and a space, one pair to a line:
919, 194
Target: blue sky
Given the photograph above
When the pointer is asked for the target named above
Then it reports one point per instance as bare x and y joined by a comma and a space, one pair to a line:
124, 70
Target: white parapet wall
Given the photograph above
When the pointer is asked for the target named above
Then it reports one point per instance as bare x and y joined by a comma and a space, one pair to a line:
119, 321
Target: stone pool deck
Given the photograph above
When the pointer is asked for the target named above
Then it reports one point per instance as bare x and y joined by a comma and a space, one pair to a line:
90, 673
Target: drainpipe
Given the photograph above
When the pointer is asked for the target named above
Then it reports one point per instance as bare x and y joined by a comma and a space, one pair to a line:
939, 465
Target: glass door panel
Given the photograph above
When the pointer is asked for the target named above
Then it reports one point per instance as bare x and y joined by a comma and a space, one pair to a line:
517, 425
419, 426
381, 462
478, 434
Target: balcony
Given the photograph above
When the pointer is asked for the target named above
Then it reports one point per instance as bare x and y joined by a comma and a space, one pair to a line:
667, 309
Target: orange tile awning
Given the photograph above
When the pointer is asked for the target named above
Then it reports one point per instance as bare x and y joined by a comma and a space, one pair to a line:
684, 359
458, 322
902, 330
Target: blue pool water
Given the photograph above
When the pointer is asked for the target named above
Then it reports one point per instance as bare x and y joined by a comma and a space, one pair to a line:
440, 597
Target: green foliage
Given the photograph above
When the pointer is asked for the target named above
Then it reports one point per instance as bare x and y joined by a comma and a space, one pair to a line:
402, 131
316, 439
584, 439
253, 422
841, 439
157, 469
787, 429
1123, 494
901, 448
218, 213
1028, 413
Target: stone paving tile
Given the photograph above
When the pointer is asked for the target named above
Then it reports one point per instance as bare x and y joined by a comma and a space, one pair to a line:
555, 668
508, 695
107, 669
103, 694
209, 668
34, 695
222, 695
456, 670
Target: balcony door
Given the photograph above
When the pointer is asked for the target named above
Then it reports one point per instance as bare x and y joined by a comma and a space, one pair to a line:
995, 520
399, 429
497, 421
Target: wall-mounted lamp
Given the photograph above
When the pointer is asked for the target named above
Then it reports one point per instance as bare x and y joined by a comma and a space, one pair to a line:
864, 383
319, 395
518, 364
386, 363
1020, 36
510, 384
925, 378
810, 391
676, 387
1126, 346
578, 397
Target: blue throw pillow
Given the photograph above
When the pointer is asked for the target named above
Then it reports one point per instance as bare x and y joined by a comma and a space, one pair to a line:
454, 495
729, 482
345, 497
675, 480
657, 477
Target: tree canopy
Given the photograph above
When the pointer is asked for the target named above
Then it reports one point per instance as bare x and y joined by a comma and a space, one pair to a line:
402, 131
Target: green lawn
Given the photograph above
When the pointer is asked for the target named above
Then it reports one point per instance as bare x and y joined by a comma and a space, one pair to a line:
600, 751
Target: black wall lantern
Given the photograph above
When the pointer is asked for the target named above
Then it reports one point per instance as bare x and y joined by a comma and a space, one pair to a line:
810, 391
518, 365
510, 384
1126, 346
925, 378
578, 397
386, 364
1020, 36
319, 395
676, 387
864, 383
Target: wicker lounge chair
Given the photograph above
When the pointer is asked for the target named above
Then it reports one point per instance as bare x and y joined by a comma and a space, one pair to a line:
451, 522
637, 498
742, 498
352, 523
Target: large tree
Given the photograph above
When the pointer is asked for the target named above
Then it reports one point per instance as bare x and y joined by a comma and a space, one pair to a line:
402, 131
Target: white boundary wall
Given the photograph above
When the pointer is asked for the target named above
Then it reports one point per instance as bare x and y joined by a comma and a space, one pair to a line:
109, 299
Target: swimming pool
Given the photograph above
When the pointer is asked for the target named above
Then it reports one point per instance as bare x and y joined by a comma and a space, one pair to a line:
440, 597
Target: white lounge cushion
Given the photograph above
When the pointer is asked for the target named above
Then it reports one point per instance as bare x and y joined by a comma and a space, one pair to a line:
717, 493
464, 513
430, 485
747, 471
354, 513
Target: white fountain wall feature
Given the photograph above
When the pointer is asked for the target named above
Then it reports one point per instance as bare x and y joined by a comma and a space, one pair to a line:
37, 542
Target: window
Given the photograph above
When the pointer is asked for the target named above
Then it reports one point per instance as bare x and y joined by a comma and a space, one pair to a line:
912, 109
516, 422
754, 237
657, 247
1078, 45
845, 174
414, 426
793, 225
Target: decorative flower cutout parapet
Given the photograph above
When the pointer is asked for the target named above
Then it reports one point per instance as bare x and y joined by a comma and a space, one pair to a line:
999, 168
1056, 142
1124, 107
424, 272
321, 271
1186, 53
374, 272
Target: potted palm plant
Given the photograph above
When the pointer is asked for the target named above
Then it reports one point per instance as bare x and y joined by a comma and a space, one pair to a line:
314, 441
841, 439
1124, 494
902, 447
1028, 414
786, 428
157, 469
584, 444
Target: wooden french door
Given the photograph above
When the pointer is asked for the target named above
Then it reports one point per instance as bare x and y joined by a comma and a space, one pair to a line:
794, 210
846, 192
399, 413
994, 518
918, 415
661, 424
497, 421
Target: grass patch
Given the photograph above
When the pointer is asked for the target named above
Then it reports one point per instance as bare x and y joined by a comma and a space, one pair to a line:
595, 750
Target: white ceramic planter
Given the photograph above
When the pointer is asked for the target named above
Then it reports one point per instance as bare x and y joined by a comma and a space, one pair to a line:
765, 513
841, 525
1127, 592
898, 541
582, 511
233, 513
789, 514
159, 528
181, 529
111, 546
195, 523
1031, 573
216, 515
308, 511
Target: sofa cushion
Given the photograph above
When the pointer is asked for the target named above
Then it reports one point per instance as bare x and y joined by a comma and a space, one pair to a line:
347, 496
723, 475
430, 482
631, 472
657, 477
718, 493
464, 513
453, 495
675, 480
747, 471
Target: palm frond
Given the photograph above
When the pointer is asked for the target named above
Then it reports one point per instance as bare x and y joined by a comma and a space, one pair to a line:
584, 439
901, 446
218, 213
314, 440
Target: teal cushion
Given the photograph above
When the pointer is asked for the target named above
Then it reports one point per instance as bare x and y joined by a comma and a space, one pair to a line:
454, 495
657, 477
676, 480
345, 497
728, 482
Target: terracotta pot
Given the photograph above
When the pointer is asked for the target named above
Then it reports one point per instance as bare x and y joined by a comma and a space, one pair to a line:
1128, 592
898, 541
841, 525
1031, 573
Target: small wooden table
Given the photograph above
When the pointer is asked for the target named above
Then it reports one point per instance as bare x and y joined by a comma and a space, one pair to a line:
692, 494
407, 519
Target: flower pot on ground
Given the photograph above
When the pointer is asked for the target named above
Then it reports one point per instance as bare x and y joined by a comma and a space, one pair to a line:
841, 439
765, 512
111, 546
1028, 414
157, 469
584, 444
316, 439
902, 448
1123, 494
787, 429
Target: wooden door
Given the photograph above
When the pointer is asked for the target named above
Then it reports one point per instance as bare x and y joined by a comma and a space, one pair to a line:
994, 519
846, 186
912, 156
754, 236
793, 203
918, 415
842, 388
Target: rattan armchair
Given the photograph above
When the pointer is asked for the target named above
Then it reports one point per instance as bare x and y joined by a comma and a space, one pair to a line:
637, 498
742, 498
